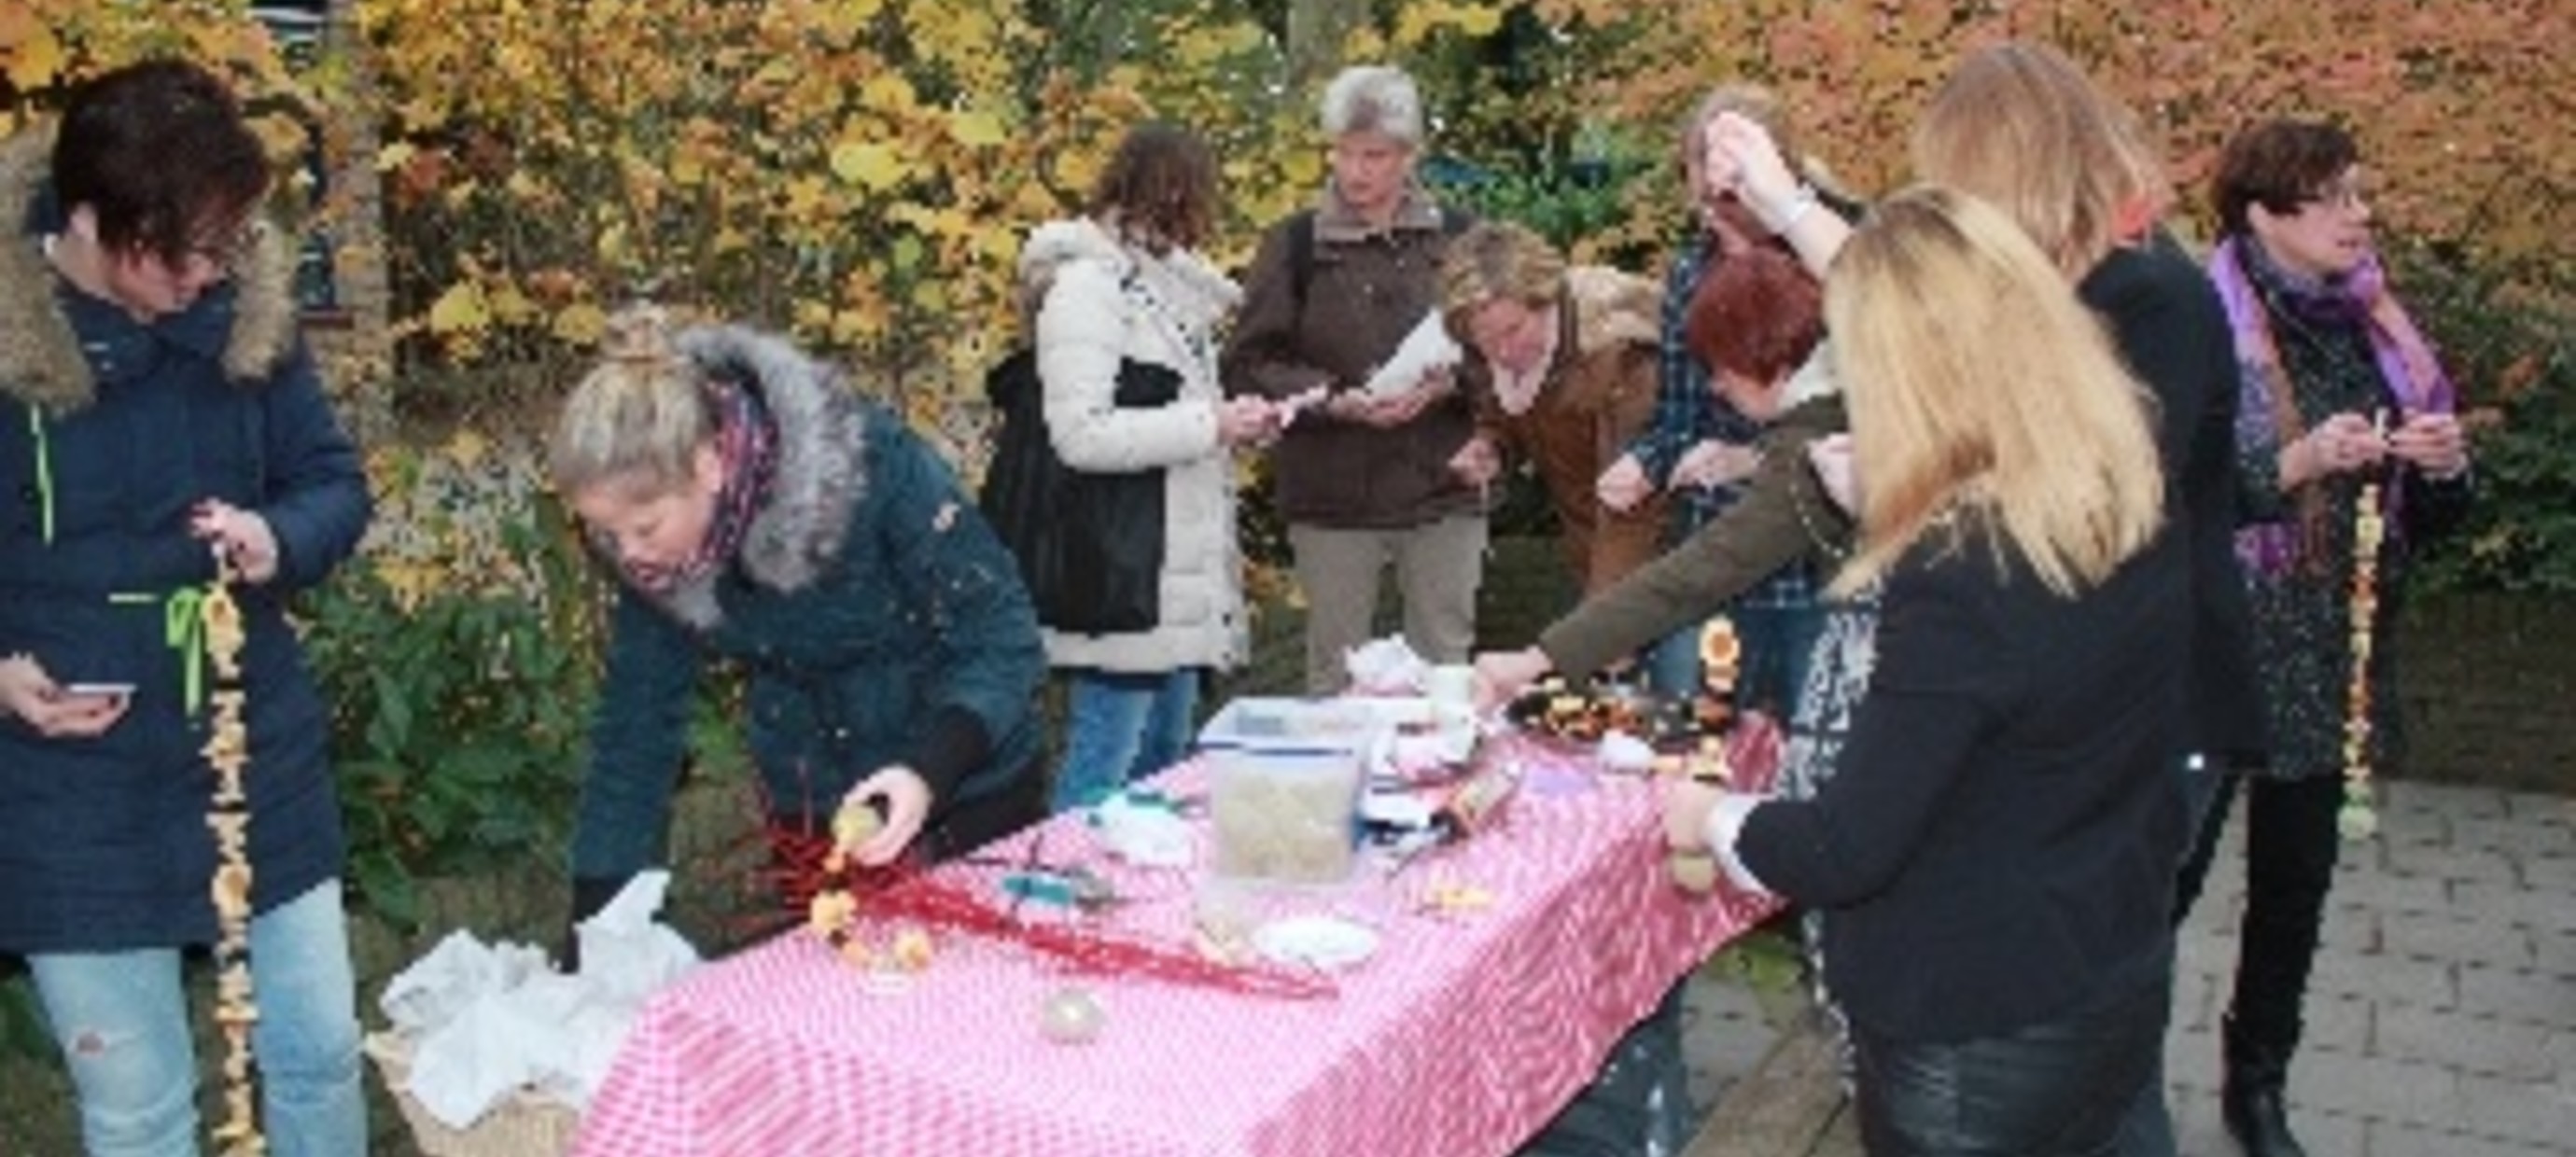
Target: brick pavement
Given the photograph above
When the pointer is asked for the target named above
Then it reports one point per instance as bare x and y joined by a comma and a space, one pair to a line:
2442, 1016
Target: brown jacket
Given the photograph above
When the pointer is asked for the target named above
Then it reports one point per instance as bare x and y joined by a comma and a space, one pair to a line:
1598, 393
1785, 515
1366, 290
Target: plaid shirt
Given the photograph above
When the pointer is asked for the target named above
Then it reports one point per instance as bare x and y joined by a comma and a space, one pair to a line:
1687, 412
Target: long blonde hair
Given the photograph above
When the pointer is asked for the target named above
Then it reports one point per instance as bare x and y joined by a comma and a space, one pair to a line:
1980, 386
638, 418
2021, 126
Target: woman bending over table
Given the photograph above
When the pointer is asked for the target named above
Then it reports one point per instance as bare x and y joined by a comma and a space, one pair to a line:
757, 510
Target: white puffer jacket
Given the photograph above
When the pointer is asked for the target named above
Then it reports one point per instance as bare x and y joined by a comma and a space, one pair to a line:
1101, 301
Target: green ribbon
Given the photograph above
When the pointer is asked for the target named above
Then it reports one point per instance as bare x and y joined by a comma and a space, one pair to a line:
44, 470
183, 629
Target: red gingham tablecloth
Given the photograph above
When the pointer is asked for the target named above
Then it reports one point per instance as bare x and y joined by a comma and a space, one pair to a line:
1462, 1035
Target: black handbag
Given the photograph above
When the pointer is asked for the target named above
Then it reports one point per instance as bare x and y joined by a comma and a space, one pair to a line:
1090, 546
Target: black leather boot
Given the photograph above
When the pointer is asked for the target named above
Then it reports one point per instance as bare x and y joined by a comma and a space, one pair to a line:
2251, 1101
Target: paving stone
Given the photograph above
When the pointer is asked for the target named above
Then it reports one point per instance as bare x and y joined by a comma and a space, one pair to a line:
2551, 910
2350, 928
2350, 1083
2542, 809
2520, 838
2196, 1001
2192, 1064
2554, 952
2410, 796
2324, 1131
2197, 1129
2517, 994
2447, 862
2513, 1050
2406, 1139
2550, 874
2339, 1023
2384, 977
2453, 936
2543, 1114
2387, 891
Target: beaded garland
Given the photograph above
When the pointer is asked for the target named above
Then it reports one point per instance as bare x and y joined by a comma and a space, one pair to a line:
227, 750
2358, 819
1720, 653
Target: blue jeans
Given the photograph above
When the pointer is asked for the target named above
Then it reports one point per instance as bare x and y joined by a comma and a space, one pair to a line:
1778, 643
121, 1020
1122, 726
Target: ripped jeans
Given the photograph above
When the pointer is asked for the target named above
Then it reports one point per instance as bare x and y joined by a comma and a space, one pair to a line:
121, 1020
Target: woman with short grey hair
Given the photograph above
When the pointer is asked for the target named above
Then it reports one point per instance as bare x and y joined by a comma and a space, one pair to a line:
1363, 477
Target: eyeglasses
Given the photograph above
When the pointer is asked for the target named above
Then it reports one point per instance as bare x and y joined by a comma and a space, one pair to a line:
2348, 194
226, 248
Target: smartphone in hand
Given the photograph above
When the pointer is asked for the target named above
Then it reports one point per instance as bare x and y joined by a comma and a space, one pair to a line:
104, 690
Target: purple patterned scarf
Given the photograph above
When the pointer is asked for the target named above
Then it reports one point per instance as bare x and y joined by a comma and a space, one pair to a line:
746, 441
2267, 412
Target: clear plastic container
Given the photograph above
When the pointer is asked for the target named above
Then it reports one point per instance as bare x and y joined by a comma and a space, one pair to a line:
1286, 815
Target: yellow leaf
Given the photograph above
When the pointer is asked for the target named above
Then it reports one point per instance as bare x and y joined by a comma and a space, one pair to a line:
580, 323
460, 310
976, 129
394, 156
36, 61
466, 449
509, 306
873, 166
887, 91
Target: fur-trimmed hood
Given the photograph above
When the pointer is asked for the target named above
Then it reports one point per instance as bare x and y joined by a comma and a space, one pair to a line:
1181, 279
822, 470
41, 362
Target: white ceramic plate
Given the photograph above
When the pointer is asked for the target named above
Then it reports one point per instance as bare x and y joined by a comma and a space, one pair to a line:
1315, 941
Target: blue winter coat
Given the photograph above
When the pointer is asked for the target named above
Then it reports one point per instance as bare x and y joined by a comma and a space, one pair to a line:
110, 431
877, 618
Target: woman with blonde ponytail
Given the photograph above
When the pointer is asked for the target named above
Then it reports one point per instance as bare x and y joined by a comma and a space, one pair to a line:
1995, 851
758, 510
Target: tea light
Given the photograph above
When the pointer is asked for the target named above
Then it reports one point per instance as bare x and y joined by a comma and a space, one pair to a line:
1071, 1016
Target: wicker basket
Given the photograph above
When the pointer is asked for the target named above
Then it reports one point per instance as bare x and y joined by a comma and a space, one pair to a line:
528, 1124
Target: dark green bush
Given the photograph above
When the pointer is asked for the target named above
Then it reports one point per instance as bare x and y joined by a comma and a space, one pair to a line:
458, 720
2508, 338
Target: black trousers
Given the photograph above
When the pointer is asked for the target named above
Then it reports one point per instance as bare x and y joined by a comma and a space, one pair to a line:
2290, 846
2060, 1088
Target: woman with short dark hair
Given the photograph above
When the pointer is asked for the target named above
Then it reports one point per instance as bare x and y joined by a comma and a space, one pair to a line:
158, 410
2341, 396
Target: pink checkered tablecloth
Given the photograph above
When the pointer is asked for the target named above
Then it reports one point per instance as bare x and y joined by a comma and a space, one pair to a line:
1462, 1035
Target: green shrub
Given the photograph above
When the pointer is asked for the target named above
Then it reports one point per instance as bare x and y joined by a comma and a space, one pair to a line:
2507, 335
458, 715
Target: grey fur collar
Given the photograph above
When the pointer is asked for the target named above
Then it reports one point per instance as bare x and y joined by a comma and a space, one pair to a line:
822, 463
40, 359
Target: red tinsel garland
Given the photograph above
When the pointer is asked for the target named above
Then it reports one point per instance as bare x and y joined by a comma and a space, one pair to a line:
804, 866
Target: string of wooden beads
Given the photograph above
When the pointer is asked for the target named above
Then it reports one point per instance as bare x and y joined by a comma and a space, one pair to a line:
2358, 819
227, 750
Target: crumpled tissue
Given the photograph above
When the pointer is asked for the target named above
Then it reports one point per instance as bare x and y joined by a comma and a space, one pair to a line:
1429, 347
1386, 667
488, 1020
